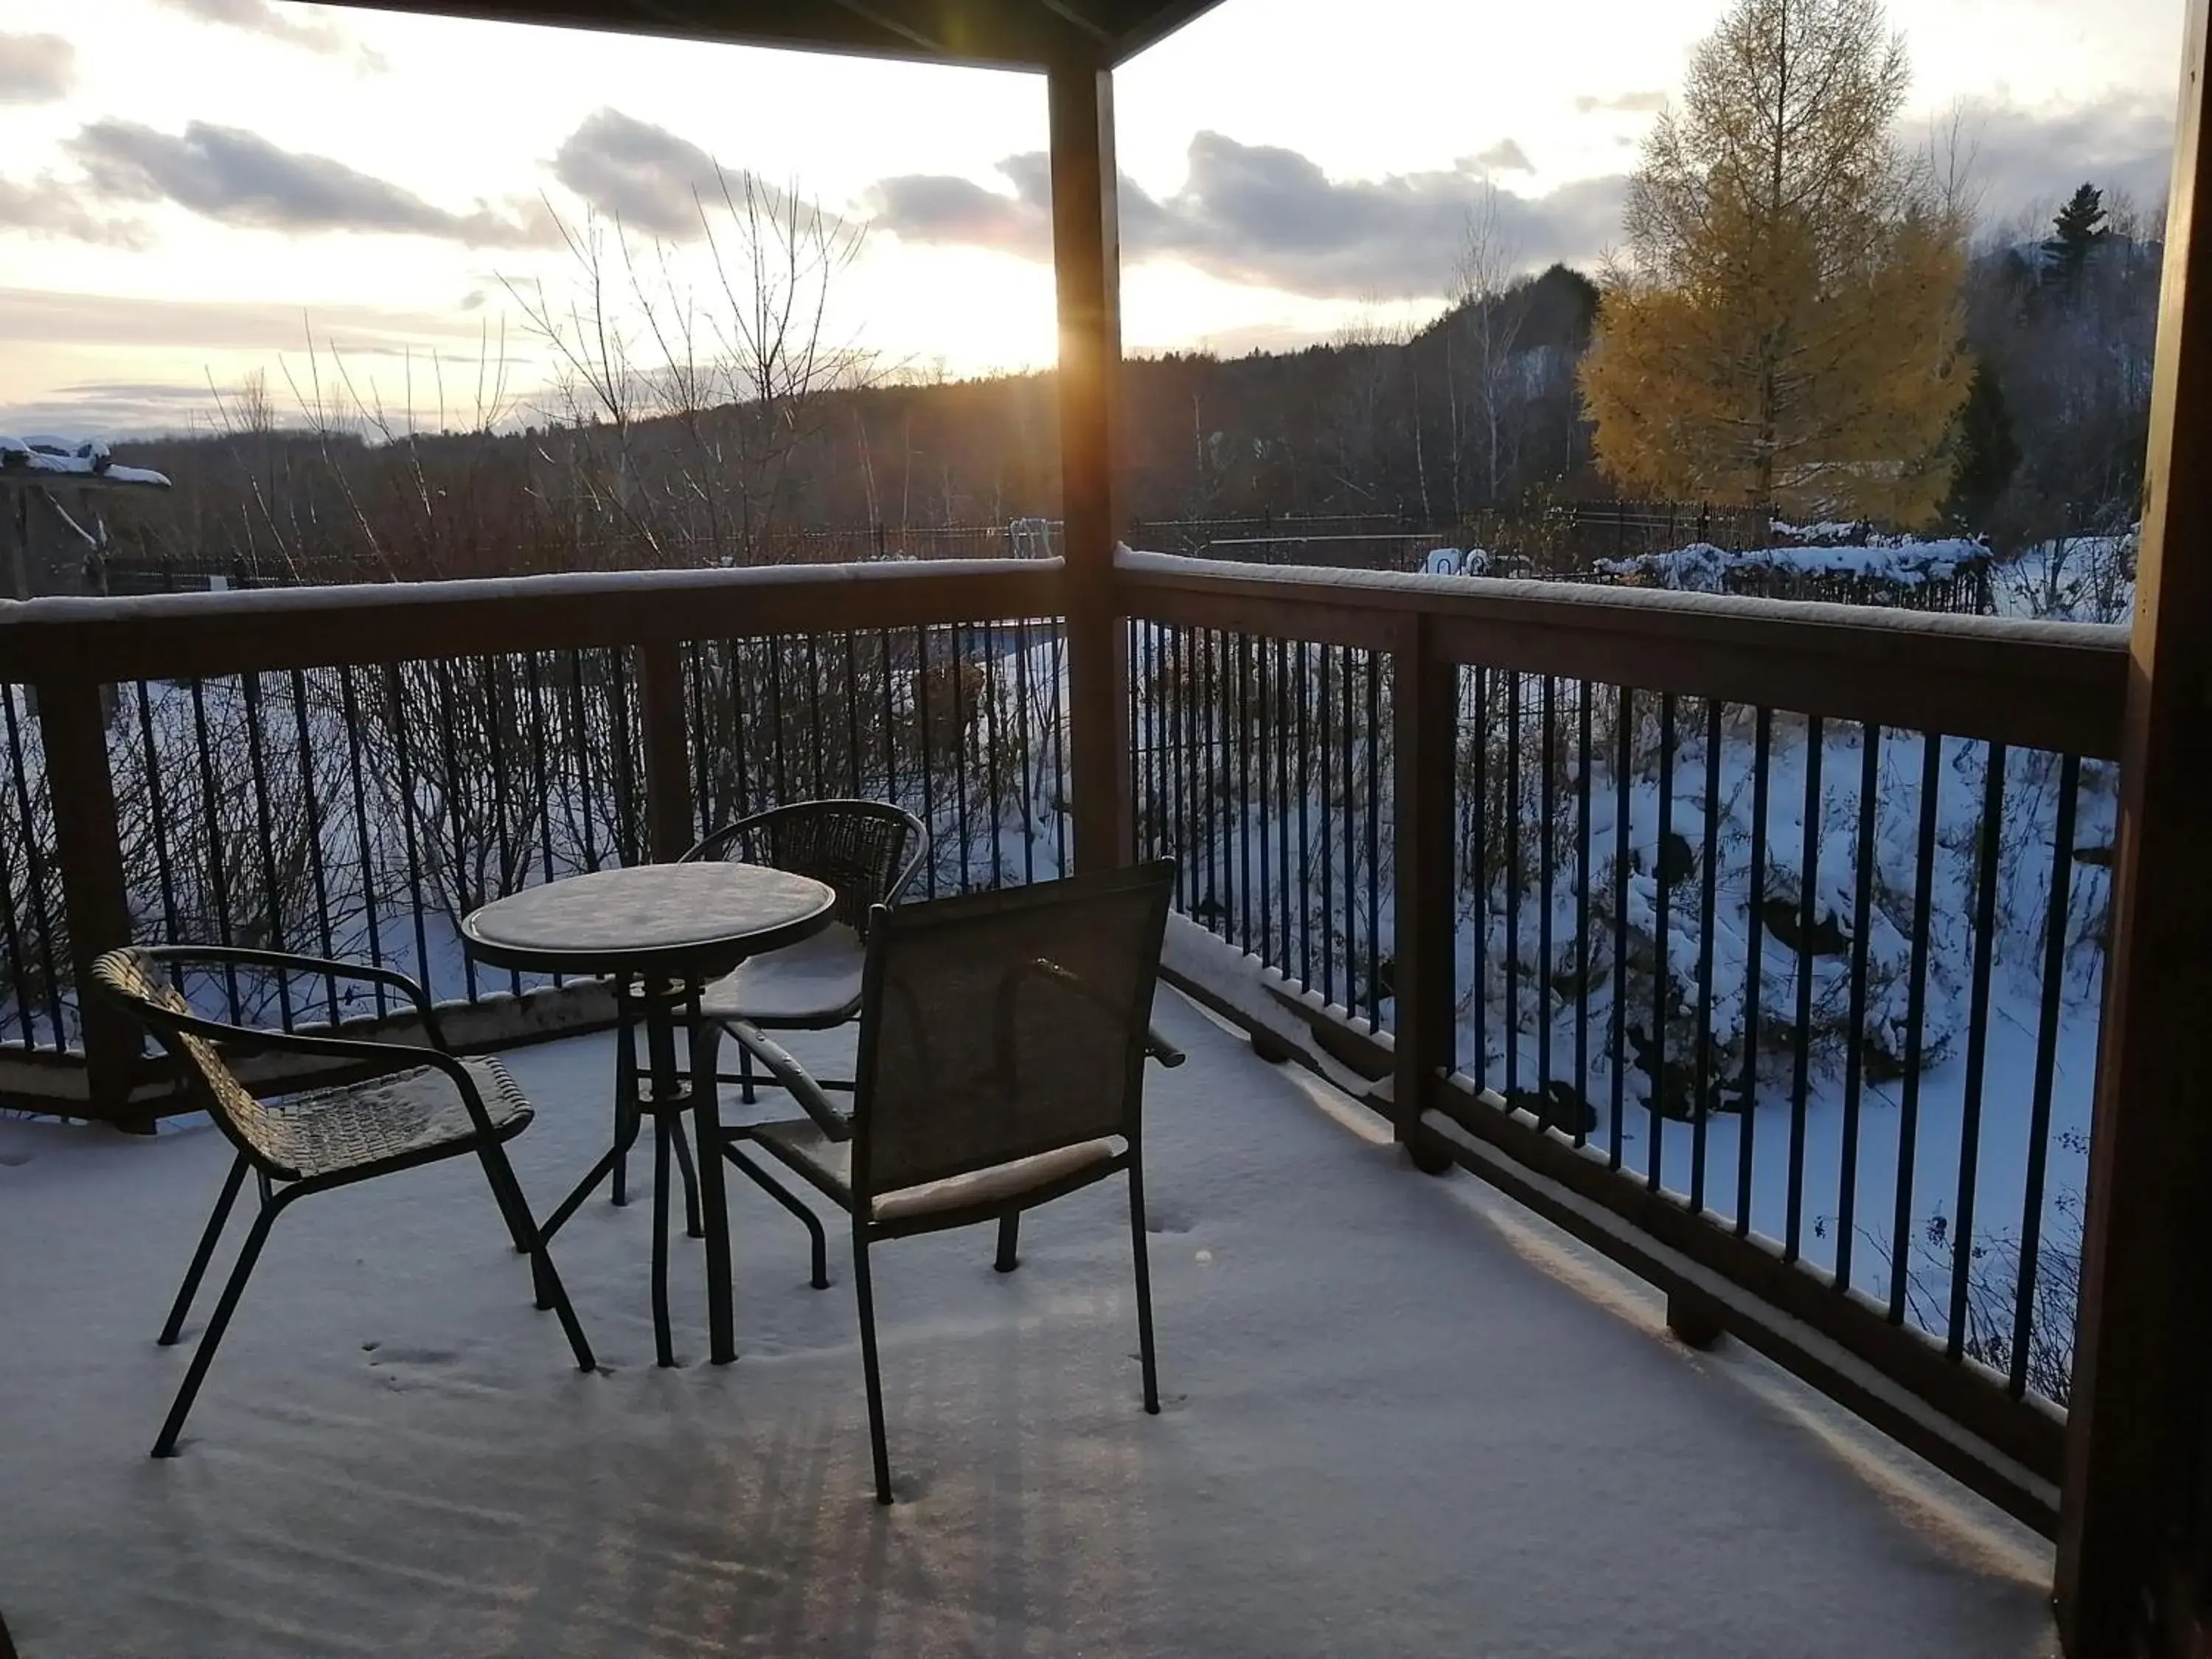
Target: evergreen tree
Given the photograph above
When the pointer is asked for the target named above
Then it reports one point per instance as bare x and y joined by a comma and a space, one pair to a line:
1987, 453
1785, 326
2076, 228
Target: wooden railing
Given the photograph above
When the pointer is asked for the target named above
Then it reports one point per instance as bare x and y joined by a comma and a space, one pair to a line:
1457, 705
856, 658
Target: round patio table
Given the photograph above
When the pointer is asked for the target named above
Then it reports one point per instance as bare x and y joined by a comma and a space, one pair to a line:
667, 929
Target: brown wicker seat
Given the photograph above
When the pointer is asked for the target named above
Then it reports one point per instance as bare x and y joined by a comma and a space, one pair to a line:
418, 1105
1003, 1041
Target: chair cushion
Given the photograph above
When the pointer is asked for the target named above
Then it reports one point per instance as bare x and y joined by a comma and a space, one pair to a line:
815, 982
800, 1141
328, 1130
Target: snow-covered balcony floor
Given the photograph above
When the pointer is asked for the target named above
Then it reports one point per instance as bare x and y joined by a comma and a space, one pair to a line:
1403, 1418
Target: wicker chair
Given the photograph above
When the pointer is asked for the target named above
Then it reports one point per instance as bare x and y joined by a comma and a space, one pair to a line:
1003, 1041
869, 853
416, 1105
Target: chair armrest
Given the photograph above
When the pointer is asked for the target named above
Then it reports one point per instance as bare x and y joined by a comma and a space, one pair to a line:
786, 1071
188, 956
1162, 1050
386, 1057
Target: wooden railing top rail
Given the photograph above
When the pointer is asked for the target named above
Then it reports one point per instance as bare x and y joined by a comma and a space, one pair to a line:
2059, 686
174, 635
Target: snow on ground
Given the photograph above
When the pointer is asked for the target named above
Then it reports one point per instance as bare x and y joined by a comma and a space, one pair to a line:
1402, 1418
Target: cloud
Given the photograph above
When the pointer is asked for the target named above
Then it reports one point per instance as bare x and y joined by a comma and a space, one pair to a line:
240, 179
1504, 156
2024, 161
641, 174
35, 69
47, 206
1624, 103
294, 25
1269, 217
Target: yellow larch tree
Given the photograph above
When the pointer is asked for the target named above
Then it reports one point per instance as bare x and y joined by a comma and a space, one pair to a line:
1784, 324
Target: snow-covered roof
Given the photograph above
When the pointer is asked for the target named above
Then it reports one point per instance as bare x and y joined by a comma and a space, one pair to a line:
87, 464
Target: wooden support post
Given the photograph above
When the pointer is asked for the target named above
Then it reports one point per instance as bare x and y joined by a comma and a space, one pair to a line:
2136, 1523
94, 898
1424, 718
667, 751
1086, 246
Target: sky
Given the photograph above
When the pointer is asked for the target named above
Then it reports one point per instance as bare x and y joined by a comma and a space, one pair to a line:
192, 191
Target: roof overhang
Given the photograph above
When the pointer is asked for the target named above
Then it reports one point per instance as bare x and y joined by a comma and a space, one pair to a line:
1017, 34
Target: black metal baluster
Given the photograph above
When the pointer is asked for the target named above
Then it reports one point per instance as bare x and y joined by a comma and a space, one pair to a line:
922, 702
1762, 757
1264, 735
1623, 771
1855, 1047
158, 823
1478, 877
815, 742
10, 931
1662, 969
495, 718
465, 894
1374, 662
217, 838
1283, 727
776, 656
1581, 906
1547, 875
1978, 1037
1060, 742
1511, 1034
266, 839
1706, 1084
35, 872
1916, 1010
692, 659
960, 741
396, 703
311, 802
350, 711
1327, 742
890, 720
1240, 833
1302, 736
989, 725
2046, 1067
1801, 1084
852, 715
540, 779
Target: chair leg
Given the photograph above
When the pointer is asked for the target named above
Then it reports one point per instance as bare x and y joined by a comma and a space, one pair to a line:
692, 1226
506, 1192
866, 1296
203, 1354
776, 1190
664, 1346
231, 1183
625, 1102
1010, 1232
1144, 1288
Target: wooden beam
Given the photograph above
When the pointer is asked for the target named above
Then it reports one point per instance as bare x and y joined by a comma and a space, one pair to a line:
1017, 34
177, 635
1087, 264
1424, 715
2038, 685
669, 824
73, 732
2133, 1537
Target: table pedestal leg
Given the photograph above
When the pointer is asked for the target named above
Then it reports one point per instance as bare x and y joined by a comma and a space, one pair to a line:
669, 1099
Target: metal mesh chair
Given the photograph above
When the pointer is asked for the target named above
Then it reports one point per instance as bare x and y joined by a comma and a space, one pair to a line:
1003, 1040
868, 853
417, 1105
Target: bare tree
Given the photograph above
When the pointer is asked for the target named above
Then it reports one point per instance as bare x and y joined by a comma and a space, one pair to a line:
1486, 323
